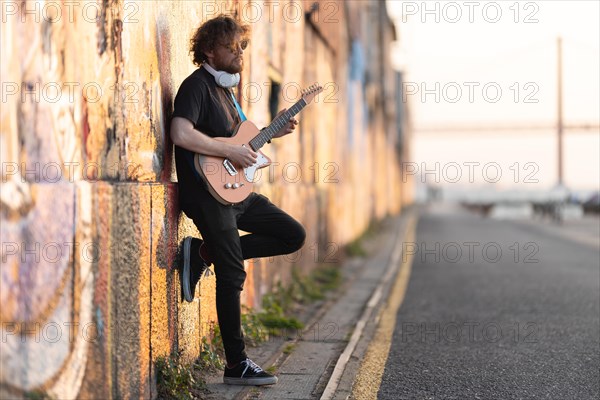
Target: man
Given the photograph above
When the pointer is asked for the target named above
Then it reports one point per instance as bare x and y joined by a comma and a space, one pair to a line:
205, 108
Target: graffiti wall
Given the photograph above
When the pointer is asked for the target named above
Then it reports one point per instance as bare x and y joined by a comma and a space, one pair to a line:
90, 224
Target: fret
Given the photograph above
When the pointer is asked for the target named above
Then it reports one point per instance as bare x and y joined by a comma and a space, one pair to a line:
278, 123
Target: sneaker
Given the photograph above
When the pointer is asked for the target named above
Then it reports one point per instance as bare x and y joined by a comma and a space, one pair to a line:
191, 268
248, 373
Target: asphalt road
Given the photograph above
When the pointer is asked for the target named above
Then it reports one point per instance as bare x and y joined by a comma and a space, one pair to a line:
496, 310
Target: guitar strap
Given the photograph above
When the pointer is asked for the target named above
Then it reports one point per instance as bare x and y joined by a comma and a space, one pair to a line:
238, 108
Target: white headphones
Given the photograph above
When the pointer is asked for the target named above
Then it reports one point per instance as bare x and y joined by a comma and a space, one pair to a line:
223, 79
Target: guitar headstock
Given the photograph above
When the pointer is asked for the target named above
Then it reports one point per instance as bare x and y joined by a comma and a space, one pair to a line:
310, 92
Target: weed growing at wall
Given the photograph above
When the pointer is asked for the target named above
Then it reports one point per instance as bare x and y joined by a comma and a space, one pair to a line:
356, 247
303, 290
254, 330
274, 318
211, 354
327, 278
176, 379
37, 395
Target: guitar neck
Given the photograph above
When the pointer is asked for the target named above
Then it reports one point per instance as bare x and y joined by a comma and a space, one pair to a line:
279, 122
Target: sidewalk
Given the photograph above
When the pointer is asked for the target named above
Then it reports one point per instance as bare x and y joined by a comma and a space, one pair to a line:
337, 332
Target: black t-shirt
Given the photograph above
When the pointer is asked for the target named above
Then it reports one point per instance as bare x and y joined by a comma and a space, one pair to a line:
211, 110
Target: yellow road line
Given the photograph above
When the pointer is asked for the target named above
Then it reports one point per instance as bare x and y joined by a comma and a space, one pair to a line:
370, 372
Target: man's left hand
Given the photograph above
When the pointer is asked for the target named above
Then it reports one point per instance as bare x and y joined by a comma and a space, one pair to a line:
288, 128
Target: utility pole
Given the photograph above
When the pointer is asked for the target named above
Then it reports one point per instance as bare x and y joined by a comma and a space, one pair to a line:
559, 122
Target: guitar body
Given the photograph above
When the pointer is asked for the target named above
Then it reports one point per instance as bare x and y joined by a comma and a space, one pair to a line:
228, 183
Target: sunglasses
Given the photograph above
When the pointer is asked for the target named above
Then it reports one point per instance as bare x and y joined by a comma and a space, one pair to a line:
242, 44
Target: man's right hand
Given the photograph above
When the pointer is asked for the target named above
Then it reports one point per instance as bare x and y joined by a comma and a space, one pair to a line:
242, 156
185, 135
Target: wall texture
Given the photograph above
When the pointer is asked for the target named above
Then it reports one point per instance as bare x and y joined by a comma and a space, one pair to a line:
90, 222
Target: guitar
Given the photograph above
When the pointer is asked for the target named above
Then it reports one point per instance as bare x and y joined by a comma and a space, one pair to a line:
230, 184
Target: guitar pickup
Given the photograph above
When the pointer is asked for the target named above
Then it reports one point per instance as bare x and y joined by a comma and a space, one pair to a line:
229, 167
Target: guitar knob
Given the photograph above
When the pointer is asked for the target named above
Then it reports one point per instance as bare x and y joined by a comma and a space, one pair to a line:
228, 186
236, 185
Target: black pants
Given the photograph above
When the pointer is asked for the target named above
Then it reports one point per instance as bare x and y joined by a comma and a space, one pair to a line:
271, 232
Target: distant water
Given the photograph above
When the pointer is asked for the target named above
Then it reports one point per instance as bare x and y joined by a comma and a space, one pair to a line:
506, 160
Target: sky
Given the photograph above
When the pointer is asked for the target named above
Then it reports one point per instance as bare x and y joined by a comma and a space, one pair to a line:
490, 64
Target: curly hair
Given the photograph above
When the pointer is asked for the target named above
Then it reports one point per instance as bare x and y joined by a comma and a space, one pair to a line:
219, 30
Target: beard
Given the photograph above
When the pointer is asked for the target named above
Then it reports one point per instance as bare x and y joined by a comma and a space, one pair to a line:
234, 67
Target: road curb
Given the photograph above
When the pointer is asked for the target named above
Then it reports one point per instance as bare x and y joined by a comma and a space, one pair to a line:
375, 301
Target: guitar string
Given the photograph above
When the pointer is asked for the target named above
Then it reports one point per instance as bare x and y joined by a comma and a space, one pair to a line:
266, 134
